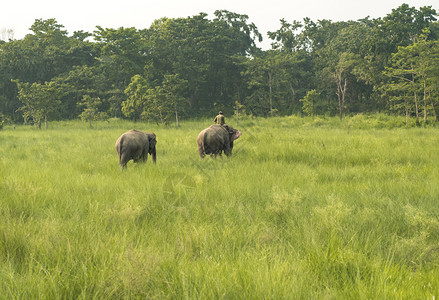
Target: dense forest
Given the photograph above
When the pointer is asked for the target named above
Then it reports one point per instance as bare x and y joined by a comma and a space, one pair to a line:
195, 66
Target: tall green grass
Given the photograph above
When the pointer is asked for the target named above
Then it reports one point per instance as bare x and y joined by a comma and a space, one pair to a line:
305, 208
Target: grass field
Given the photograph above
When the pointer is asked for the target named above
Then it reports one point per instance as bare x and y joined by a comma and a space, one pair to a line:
304, 209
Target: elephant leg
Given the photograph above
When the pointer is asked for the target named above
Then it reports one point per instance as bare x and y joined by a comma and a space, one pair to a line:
138, 159
124, 158
227, 150
154, 156
144, 156
201, 152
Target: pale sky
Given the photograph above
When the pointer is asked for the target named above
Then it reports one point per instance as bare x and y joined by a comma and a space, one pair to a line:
85, 15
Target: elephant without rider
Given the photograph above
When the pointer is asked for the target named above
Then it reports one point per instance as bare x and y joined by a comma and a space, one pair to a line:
217, 138
135, 145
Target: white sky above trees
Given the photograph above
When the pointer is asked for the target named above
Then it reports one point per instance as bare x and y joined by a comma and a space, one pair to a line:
85, 15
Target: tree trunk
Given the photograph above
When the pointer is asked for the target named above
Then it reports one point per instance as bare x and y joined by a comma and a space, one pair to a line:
344, 92
406, 110
176, 118
293, 97
416, 107
270, 81
237, 115
341, 93
425, 100
416, 96
432, 105
161, 118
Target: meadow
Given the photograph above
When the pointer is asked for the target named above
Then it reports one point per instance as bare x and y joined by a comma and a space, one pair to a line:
306, 208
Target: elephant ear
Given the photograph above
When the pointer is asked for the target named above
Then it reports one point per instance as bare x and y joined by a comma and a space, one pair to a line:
152, 139
229, 129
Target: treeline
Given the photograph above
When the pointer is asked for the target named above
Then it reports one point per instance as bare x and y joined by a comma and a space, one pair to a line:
195, 66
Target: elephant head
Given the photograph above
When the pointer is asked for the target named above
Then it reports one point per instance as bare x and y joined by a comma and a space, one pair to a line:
152, 142
234, 133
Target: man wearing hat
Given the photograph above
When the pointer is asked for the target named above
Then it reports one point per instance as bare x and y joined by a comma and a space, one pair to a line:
220, 120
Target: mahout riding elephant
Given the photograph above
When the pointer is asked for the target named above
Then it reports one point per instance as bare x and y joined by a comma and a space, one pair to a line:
217, 138
135, 145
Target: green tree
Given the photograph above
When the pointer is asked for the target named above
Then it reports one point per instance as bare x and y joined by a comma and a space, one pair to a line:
402, 82
2, 121
400, 28
221, 64
309, 102
174, 89
136, 101
340, 73
91, 109
123, 54
38, 101
270, 80
426, 67
294, 76
180, 46
404, 25
41, 56
158, 103
258, 76
239, 111
156, 107
203, 52
115, 98
287, 38
398, 94
78, 82
414, 69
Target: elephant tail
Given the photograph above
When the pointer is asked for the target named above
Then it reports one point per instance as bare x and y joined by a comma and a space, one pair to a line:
201, 142
120, 149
